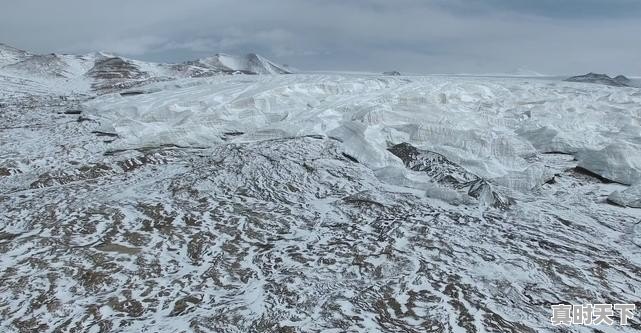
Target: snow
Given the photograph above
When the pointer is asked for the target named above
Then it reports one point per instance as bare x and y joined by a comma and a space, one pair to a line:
492, 127
619, 162
630, 197
313, 202
10, 55
251, 63
102, 72
226, 61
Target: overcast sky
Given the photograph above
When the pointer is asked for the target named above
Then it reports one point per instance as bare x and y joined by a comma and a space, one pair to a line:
420, 36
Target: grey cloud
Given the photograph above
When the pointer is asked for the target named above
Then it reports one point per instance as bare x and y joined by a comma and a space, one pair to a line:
566, 9
435, 36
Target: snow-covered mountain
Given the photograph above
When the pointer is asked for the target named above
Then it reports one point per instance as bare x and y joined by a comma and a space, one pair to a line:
204, 202
47, 65
249, 64
106, 72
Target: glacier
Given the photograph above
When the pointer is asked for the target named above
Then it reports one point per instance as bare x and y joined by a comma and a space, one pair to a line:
310, 202
495, 128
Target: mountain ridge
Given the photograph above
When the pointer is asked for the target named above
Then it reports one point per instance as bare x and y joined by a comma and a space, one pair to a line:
109, 72
10, 54
617, 81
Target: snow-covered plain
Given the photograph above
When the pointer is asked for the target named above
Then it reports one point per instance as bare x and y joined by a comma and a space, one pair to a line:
286, 203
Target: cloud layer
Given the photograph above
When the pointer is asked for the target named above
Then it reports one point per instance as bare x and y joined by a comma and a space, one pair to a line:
437, 36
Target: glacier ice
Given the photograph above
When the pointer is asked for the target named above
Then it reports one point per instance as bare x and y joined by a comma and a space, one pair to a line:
630, 197
492, 127
619, 162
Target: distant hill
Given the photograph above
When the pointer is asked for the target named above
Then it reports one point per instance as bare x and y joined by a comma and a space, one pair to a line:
249, 64
106, 72
10, 55
618, 81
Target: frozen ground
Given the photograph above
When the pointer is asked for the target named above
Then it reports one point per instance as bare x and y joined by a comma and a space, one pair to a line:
287, 204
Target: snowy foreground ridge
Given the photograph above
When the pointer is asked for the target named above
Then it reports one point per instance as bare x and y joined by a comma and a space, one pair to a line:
318, 203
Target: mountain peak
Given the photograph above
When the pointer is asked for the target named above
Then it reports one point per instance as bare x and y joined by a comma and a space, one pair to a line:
250, 63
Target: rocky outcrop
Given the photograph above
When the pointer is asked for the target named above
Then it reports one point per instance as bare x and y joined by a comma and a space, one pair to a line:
436, 166
619, 81
115, 68
449, 174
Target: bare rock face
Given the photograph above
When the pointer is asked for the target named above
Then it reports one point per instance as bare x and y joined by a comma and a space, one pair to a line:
115, 68
111, 74
392, 73
619, 81
450, 174
483, 191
